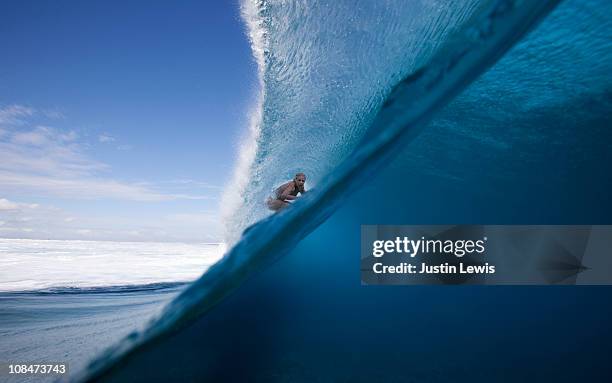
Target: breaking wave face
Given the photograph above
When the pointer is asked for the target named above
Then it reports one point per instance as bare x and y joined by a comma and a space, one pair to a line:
429, 112
322, 83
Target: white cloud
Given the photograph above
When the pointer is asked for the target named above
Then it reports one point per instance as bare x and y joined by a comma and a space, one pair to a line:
5, 204
33, 220
87, 188
198, 224
104, 138
19, 217
27, 220
53, 114
78, 188
15, 114
45, 150
47, 161
68, 137
193, 183
43, 136
194, 218
7, 230
18, 114
124, 147
38, 160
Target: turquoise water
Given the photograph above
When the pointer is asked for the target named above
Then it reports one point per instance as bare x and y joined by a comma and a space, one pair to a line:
421, 113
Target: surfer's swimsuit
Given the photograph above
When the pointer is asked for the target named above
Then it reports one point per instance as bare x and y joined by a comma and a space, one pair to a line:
279, 190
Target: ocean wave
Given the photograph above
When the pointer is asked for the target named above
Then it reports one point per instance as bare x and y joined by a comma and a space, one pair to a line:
417, 70
325, 70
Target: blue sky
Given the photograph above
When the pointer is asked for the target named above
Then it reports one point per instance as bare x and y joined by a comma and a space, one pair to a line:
120, 120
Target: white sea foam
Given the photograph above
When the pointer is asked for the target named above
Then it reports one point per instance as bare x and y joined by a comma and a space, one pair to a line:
233, 196
27, 264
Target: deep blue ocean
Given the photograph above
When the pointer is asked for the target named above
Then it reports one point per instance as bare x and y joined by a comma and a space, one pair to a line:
420, 112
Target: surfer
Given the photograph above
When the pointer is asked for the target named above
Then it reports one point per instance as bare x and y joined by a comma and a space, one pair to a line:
287, 193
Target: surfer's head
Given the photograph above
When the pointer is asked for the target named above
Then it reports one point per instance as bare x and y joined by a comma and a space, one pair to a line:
300, 180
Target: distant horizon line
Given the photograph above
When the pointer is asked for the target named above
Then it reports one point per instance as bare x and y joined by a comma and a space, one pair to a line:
110, 240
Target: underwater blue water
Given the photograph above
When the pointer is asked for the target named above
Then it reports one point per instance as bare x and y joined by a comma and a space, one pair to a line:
393, 113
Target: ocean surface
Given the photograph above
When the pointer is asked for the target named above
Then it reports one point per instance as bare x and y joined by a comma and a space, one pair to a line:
66, 301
